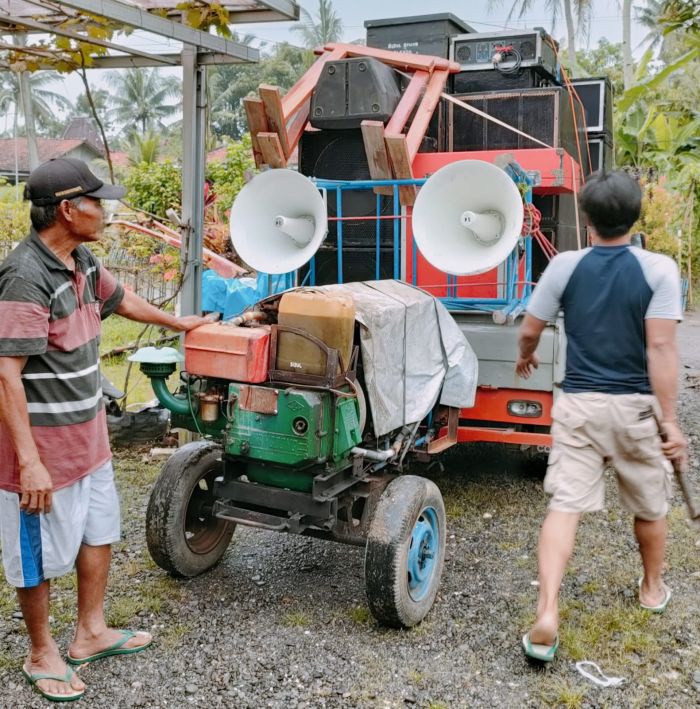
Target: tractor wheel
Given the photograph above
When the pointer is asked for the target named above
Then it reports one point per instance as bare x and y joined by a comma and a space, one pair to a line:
405, 551
183, 536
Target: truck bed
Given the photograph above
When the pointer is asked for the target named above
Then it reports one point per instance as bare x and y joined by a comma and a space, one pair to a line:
496, 347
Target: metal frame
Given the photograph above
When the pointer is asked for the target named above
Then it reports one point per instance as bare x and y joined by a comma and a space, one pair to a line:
516, 292
199, 49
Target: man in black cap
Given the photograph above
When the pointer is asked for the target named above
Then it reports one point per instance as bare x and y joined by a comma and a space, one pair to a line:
58, 504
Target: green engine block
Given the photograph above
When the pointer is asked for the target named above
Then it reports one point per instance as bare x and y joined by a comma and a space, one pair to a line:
295, 427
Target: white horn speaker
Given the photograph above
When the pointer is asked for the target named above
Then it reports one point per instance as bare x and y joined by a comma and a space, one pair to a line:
278, 221
467, 217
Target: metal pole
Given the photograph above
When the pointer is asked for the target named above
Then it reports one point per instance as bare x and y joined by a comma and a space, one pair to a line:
193, 132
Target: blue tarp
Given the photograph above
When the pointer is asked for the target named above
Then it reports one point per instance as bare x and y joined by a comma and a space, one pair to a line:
231, 296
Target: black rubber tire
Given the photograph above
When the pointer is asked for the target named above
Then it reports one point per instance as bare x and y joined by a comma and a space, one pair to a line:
184, 485
386, 554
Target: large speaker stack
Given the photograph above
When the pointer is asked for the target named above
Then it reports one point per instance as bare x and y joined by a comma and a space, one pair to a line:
596, 97
513, 76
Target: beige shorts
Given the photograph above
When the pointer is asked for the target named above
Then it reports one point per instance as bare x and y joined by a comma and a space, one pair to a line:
591, 429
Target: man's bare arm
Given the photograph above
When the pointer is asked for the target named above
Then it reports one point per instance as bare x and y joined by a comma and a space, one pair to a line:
662, 364
35, 480
136, 308
528, 339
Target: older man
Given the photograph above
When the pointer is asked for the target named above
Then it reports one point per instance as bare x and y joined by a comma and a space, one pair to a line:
58, 503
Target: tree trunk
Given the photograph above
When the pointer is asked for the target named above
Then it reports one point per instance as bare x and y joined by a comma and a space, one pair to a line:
28, 112
571, 37
627, 43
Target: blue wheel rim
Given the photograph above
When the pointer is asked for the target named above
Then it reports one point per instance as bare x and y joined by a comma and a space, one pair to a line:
423, 550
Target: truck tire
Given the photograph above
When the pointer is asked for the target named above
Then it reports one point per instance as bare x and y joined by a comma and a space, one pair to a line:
183, 536
405, 551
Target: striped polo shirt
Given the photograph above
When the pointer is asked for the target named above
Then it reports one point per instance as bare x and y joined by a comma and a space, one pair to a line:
51, 315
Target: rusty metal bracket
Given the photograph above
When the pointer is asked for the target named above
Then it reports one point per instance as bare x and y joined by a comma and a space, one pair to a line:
444, 442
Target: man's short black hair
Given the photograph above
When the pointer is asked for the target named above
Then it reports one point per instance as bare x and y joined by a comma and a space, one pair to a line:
612, 201
43, 217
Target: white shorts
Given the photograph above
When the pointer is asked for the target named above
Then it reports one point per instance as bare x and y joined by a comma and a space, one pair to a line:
44, 546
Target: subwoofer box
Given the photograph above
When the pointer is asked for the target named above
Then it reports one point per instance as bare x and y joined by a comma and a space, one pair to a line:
543, 113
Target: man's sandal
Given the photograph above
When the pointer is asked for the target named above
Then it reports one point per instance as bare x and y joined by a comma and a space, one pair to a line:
116, 649
537, 651
661, 607
35, 677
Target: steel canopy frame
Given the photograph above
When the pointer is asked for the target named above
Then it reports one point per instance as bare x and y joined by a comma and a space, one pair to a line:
199, 49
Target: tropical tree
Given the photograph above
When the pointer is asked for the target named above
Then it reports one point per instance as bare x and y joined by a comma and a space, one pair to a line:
43, 101
603, 60
648, 16
143, 96
82, 108
142, 148
327, 27
230, 84
577, 14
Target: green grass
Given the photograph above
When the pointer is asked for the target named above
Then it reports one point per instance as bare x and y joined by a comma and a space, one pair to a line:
172, 635
561, 693
360, 615
297, 619
118, 332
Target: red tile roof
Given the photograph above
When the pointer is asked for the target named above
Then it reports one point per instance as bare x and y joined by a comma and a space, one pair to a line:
48, 148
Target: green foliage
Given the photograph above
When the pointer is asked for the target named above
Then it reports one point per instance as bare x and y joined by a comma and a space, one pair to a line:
14, 214
144, 97
659, 219
603, 60
228, 177
154, 187
230, 84
326, 28
143, 148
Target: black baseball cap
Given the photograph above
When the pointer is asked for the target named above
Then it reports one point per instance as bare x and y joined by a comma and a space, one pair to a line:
66, 178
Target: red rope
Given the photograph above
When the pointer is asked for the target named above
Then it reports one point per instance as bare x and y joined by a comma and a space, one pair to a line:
533, 229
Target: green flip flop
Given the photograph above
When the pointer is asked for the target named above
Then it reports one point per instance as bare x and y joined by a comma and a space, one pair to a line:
37, 676
116, 649
662, 606
536, 651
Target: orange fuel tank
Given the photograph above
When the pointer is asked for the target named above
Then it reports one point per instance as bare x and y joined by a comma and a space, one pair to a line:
241, 354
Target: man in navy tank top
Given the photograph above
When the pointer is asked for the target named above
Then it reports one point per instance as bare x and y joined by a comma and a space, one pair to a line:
621, 307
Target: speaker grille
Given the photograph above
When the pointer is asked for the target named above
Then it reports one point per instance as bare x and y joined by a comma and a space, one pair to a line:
359, 264
340, 155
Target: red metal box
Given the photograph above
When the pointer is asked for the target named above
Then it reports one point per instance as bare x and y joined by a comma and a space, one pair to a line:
223, 351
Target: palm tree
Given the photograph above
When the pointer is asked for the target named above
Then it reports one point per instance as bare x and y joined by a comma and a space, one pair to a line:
142, 96
24, 93
648, 16
627, 69
577, 14
329, 27
143, 148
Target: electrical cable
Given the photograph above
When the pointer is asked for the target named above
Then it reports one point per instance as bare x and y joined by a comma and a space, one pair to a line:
504, 51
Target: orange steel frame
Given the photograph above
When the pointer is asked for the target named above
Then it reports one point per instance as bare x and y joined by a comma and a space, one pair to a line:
491, 406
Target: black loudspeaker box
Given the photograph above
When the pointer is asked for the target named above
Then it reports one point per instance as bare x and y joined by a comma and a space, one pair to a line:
467, 82
352, 90
340, 155
596, 97
548, 114
359, 264
600, 148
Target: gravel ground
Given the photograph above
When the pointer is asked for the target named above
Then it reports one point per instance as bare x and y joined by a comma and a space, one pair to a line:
283, 621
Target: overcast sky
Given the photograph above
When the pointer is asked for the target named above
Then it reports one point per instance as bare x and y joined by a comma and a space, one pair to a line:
606, 23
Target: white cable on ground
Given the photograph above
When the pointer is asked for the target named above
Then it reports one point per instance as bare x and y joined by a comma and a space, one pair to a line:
602, 680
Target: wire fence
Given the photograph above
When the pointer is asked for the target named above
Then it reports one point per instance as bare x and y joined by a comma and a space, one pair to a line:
131, 271
138, 274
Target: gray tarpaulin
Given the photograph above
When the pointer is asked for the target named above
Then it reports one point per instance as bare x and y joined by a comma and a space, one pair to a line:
412, 353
